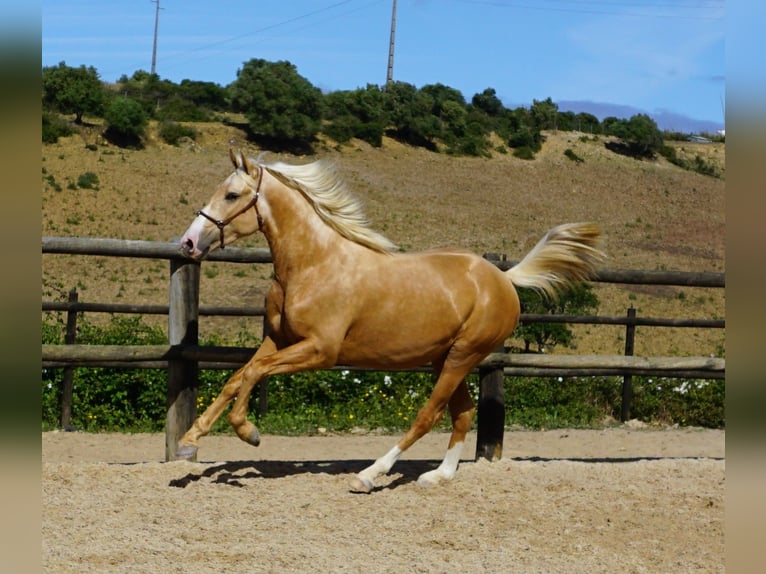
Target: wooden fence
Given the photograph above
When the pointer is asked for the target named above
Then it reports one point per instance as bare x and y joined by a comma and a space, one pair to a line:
183, 356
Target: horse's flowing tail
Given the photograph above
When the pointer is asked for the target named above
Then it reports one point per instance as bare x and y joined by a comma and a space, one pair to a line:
568, 253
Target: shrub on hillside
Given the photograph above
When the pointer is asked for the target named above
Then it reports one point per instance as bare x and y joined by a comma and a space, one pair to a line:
88, 180
54, 128
526, 142
172, 132
280, 104
126, 120
641, 138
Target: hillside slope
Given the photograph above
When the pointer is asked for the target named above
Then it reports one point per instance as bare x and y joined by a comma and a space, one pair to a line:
654, 215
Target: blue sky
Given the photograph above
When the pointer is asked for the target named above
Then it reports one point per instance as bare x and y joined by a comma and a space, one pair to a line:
609, 57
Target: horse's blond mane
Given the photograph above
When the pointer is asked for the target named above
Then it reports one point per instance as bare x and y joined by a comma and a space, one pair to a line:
334, 204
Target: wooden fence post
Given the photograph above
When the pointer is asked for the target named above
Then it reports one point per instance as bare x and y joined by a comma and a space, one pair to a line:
67, 383
491, 406
627, 380
183, 329
491, 413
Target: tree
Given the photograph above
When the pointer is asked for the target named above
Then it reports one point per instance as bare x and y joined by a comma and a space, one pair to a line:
359, 113
410, 112
544, 114
610, 124
587, 123
208, 95
279, 103
643, 135
75, 91
640, 135
126, 121
488, 102
577, 299
149, 90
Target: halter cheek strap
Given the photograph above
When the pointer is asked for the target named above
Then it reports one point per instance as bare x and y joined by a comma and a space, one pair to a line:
253, 203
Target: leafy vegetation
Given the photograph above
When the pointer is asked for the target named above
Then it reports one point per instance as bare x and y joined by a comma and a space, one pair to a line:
113, 399
698, 164
75, 91
172, 132
285, 111
280, 105
88, 180
54, 128
577, 299
127, 122
640, 136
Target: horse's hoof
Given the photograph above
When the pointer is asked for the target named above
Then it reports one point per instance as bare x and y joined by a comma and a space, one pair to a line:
362, 485
254, 438
186, 451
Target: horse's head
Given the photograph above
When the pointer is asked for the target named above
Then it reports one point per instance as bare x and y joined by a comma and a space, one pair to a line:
231, 213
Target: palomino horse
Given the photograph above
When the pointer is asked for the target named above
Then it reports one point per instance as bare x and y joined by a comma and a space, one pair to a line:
342, 294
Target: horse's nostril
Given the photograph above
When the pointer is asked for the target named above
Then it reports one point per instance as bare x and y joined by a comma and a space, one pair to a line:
188, 245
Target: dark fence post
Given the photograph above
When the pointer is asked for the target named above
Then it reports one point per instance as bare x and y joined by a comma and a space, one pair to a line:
67, 383
491, 413
183, 329
627, 380
491, 407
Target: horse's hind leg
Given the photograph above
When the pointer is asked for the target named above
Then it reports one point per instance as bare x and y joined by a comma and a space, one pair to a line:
449, 381
187, 446
462, 410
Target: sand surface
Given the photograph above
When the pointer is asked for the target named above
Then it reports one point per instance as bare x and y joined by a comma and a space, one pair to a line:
616, 500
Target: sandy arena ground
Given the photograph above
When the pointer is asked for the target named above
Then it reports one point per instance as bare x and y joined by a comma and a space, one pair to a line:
629, 500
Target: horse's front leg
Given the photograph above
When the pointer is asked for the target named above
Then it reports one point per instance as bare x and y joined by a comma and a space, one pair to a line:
302, 356
187, 446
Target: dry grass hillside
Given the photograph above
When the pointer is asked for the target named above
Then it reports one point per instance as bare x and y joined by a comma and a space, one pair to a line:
654, 215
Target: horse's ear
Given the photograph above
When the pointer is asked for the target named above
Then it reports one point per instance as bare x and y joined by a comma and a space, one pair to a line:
246, 164
233, 157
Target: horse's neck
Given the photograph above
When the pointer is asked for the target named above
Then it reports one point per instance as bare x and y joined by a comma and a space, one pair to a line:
297, 236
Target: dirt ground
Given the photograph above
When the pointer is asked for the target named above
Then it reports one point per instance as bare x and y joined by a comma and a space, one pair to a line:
627, 499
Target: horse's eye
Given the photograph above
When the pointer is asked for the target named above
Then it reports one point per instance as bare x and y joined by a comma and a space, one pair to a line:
231, 196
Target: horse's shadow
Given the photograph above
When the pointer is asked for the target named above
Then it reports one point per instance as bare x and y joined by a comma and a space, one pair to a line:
239, 473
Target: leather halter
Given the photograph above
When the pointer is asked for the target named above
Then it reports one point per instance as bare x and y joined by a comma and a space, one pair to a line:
221, 223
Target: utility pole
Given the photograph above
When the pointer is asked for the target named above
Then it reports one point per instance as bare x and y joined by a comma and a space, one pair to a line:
156, 26
390, 73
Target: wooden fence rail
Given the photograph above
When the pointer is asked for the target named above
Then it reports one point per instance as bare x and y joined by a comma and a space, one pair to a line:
183, 357
232, 357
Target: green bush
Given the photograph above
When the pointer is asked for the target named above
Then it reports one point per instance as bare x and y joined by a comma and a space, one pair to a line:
54, 128
114, 399
126, 121
177, 109
641, 138
679, 401
172, 132
88, 180
526, 142
279, 103
524, 152
699, 164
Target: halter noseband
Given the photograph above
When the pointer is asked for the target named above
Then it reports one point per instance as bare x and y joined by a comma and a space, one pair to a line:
221, 223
